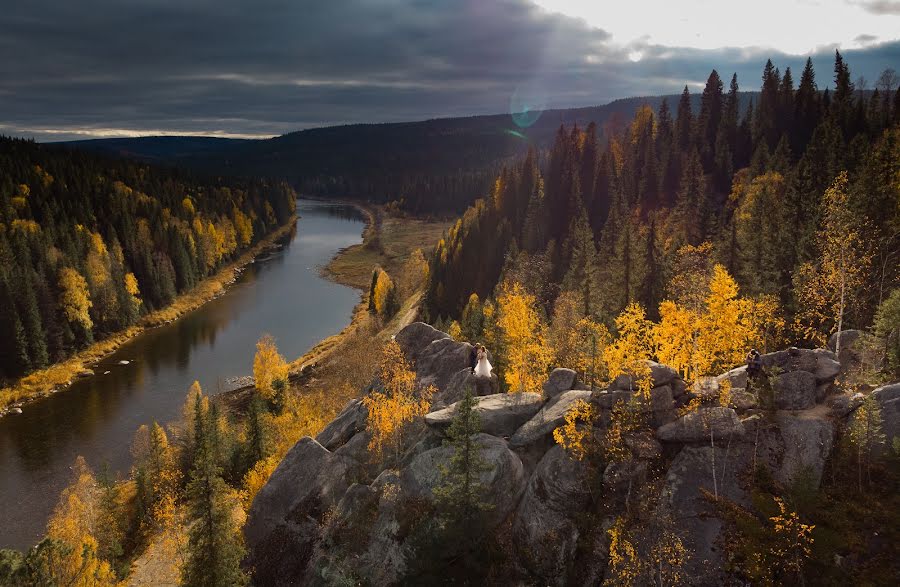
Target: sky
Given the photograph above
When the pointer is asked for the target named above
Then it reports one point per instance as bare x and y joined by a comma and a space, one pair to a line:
258, 68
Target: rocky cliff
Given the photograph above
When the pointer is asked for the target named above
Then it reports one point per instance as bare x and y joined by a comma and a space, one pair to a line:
330, 515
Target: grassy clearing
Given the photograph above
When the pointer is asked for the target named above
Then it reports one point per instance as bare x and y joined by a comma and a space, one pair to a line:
387, 242
60, 375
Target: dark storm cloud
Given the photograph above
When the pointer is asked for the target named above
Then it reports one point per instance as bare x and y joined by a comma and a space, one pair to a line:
271, 66
879, 6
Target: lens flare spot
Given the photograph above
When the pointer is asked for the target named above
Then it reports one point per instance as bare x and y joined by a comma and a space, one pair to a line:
527, 104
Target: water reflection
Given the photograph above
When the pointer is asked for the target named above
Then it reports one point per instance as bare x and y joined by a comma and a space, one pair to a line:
281, 294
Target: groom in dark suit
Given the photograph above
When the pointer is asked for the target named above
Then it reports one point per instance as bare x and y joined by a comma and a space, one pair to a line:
473, 358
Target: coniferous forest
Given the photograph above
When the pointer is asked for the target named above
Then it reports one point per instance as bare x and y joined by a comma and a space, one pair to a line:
615, 222
89, 244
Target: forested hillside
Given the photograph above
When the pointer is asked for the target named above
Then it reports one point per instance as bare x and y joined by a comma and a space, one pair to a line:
89, 244
796, 196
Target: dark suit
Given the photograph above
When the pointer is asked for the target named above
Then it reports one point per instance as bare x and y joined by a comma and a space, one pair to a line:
473, 358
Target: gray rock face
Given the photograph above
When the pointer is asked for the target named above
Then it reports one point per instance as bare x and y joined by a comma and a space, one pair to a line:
795, 390
696, 426
550, 417
503, 483
351, 420
283, 522
690, 474
543, 528
662, 406
807, 444
457, 384
560, 380
501, 414
888, 397
742, 400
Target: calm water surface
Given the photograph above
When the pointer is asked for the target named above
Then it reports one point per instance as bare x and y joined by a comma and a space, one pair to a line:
281, 294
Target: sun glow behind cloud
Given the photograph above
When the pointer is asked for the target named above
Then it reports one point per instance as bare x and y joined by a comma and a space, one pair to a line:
794, 26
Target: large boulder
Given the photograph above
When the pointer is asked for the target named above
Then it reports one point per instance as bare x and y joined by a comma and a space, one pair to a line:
550, 417
827, 365
723, 423
807, 440
351, 420
737, 377
822, 363
283, 522
456, 387
502, 483
560, 380
795, 390
500, 414
436, 358
544, 528
660, 375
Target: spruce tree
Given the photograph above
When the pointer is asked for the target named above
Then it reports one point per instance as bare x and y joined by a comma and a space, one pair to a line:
806, 108
709, 117
215, 546
684, 123
459, 495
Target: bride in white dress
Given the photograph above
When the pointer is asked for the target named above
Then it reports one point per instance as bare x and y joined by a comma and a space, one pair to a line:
483, 366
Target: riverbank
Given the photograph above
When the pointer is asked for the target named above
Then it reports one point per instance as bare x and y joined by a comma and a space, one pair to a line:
388, 241
60, 376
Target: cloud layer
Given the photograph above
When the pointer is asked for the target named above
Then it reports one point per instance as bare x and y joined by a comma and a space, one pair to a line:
237, 68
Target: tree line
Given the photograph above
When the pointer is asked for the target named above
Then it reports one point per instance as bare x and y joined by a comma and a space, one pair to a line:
88, 245
795, 196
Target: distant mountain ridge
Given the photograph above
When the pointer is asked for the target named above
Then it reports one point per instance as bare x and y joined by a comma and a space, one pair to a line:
432, 165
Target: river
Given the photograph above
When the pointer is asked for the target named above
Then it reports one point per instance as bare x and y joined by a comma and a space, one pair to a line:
282, 293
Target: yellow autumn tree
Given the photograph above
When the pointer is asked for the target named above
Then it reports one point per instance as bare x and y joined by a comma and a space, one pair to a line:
575, 435
75, 298
415, 273
268, 366
400, 402
561, 333
705, 339
97, 261
244, 227
624, 566
384, 295
72, 523
523, 339
134, 292
630, 352
793, 539
828, 287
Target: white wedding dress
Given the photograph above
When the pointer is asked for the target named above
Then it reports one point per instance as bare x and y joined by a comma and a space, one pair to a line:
483, 367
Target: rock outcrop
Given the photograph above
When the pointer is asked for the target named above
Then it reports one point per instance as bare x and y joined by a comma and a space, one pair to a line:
500, 414
330, 514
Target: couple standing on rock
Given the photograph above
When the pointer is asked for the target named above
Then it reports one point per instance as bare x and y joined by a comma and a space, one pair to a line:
478, 361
